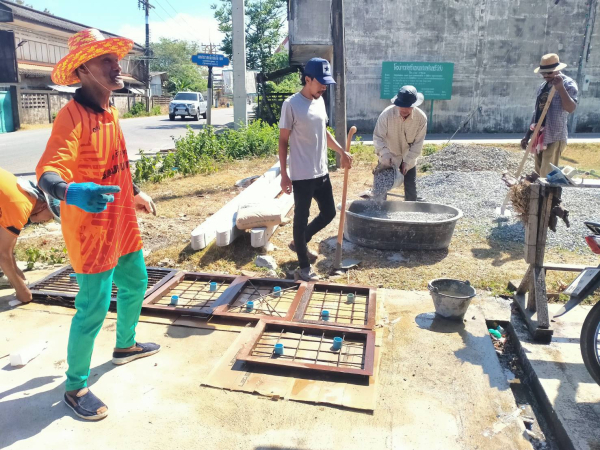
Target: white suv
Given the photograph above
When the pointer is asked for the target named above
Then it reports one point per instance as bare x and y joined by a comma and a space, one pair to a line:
188, 104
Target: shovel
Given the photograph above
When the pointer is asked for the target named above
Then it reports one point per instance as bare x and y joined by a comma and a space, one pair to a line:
502, 210
340, 266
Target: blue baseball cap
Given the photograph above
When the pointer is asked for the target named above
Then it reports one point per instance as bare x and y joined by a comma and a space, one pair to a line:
319, 69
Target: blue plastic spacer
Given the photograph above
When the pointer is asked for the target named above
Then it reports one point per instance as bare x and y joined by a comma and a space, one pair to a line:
350, 298
174, 299
278, 349
325, 314
337, 343
277, 291
249, 305
213, 286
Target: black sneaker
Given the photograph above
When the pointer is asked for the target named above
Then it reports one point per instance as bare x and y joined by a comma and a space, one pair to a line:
308, 274
86, 405
312, 255
139, 351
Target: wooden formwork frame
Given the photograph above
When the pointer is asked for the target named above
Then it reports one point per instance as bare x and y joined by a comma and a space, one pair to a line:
40, 293
235, 283
371, 307
367, 336
225, 309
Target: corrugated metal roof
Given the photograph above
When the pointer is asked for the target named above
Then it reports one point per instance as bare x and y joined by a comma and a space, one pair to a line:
69, 89
29, 14
34, 69
132, 80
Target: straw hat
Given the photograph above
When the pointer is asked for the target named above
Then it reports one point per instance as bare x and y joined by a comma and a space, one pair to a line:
83, 46
550, 63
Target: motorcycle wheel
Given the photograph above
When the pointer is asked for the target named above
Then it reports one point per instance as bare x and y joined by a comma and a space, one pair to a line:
590, 342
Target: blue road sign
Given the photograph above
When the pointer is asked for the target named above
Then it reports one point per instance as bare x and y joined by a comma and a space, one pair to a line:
207, 59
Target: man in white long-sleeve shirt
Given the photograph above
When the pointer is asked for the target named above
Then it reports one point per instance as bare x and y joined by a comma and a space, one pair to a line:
399, 136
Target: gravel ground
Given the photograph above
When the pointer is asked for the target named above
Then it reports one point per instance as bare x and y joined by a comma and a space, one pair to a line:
473, 158
478, 194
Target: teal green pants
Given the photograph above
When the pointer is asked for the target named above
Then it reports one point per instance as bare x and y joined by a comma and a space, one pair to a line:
92, 304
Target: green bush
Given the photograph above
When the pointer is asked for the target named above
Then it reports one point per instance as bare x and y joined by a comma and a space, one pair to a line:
430, 149
52, 256
204, 151
138, 109
155, 111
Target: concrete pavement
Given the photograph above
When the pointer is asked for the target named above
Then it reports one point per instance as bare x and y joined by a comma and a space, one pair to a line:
440, 386
561, 381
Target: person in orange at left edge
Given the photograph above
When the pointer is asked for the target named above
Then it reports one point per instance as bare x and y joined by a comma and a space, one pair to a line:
85, 165
21, 202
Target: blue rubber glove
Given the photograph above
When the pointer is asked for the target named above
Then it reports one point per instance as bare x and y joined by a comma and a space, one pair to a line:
90, 197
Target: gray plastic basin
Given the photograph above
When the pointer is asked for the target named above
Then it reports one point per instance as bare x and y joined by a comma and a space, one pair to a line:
388, 234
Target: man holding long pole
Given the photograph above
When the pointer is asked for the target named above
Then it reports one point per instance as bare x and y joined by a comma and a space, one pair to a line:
303, 127
551, 139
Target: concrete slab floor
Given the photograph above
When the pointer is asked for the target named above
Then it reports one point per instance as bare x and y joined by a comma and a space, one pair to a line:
440, 387
565, 388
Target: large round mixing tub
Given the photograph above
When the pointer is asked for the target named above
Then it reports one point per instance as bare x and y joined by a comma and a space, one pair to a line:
386, 234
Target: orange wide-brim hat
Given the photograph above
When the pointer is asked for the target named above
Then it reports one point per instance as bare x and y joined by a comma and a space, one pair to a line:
84, 46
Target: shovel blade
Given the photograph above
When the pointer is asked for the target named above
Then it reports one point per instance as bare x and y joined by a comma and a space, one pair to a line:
505, 213
349, 263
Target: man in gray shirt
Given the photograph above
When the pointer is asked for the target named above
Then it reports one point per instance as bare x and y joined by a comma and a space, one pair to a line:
303, 127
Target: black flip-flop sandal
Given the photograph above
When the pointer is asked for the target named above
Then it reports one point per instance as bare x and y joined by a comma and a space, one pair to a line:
139, 351
86, 405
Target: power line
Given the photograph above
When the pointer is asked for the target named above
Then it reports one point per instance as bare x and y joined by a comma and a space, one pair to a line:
190, 28
177, 12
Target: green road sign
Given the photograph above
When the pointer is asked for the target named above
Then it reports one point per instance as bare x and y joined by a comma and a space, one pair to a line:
434, 80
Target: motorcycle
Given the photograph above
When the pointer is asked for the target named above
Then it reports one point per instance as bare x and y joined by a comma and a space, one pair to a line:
583, 286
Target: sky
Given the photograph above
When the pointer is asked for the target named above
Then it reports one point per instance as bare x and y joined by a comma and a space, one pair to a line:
190, 20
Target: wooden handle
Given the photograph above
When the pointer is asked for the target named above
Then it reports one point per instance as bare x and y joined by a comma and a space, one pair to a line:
536, 130
345, 188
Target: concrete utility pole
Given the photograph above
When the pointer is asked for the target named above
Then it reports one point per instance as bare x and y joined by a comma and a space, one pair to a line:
339, 72
147, 6
583, 59
239, 64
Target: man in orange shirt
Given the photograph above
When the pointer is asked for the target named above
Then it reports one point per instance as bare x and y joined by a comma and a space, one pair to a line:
21, 202
86, 166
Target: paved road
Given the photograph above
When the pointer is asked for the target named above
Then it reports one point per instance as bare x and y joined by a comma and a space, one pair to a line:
20, 151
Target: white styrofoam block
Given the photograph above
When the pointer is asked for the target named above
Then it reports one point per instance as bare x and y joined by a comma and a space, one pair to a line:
26, 354
14, 303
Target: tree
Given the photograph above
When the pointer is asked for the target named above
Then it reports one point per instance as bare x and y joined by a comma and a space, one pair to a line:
174, 57
22, 3
288, 83
264, 25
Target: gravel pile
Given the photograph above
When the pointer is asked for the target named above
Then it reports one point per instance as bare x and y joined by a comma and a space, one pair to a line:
473, 158
478, 194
